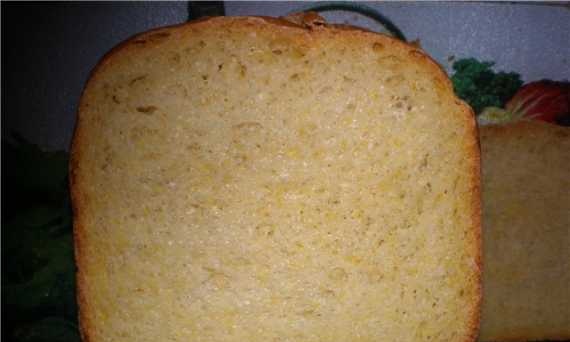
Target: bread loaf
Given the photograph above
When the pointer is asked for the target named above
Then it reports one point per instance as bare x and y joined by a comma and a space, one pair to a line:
257, 179
526, 216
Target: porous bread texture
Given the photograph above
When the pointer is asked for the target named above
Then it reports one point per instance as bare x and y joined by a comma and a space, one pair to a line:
248, 179
526, 218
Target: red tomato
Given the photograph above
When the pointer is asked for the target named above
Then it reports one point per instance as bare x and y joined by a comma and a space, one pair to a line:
542, 100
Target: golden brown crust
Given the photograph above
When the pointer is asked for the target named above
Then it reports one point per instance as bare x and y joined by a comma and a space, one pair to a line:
525, 127
312, 24
474, 153
78, 205
477, 225
522, 337
543, 133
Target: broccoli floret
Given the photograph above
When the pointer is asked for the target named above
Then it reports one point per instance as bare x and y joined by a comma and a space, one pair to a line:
477, 84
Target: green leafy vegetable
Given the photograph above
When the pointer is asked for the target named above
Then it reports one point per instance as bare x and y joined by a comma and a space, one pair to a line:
477, 84
38, 269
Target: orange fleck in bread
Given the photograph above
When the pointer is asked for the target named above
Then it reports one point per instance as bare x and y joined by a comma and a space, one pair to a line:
255, 179
526, 215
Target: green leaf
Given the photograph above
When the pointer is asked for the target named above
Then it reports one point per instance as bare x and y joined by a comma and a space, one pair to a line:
477, 84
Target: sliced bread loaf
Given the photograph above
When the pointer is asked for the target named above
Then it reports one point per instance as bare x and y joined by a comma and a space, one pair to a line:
255, 179
526, 216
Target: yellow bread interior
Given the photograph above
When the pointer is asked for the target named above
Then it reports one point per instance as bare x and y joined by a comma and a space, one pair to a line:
239, 179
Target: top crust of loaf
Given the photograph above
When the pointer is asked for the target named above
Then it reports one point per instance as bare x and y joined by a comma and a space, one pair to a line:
526, 128
312, 28
310, 23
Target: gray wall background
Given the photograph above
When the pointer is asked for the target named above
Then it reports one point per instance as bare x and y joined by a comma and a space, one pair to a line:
49, 49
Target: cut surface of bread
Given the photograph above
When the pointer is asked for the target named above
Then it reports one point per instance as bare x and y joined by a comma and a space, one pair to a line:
526, 219
251, 179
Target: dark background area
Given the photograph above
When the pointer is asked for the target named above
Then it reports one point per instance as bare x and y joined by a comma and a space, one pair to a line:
49, 49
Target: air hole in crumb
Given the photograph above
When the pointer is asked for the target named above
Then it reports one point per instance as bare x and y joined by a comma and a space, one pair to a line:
137, 79
391, 59
265, 229
220, 67
377, 47
416, 53
348, 79
175, 57
277, 52
248, 125
205, 77
115, 99
396, 79
194, 147
425, 161
147, 109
